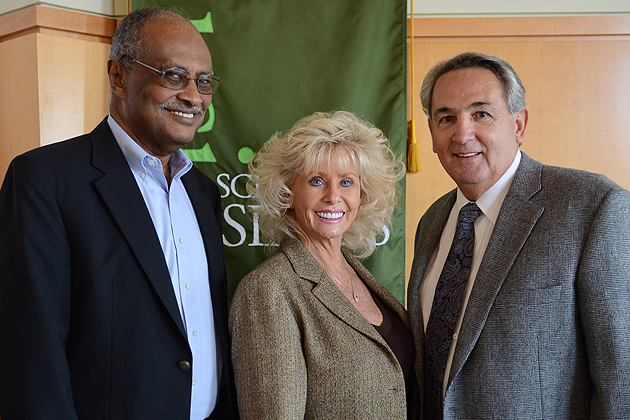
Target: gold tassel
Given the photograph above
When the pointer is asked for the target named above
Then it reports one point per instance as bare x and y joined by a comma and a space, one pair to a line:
413, 154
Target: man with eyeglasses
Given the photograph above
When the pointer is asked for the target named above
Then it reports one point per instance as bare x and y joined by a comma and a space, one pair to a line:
113, 295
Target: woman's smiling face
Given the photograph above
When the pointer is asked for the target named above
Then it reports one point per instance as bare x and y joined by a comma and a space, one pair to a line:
326, 201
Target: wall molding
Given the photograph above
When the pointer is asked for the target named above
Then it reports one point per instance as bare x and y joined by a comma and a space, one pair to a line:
49, 20
552, 27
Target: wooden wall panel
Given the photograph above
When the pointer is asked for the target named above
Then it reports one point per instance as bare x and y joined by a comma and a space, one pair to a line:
576, 75
54, 80
74, 101
19, 107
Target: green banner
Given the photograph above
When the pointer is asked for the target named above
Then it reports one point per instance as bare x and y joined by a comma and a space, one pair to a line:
281, 60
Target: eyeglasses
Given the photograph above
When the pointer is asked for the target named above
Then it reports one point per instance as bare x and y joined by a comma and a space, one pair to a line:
176, 79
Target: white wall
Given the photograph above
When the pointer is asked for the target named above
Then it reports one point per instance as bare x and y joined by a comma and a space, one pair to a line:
467, 8
422, 8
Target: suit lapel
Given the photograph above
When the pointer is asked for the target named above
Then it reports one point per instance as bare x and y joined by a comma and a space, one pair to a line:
377, 288
428, 235
208, 225
307, 268
331, 297
427, 239
210, 232
517, 218
122, 197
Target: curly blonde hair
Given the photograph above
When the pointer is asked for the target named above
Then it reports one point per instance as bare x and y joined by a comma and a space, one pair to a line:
315, 140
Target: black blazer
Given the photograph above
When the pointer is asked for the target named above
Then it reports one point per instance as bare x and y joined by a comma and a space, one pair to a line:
90, 326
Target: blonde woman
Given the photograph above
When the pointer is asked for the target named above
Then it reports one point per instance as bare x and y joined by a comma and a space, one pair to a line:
315, 335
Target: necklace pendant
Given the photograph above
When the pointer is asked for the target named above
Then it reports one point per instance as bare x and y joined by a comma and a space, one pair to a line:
354, 295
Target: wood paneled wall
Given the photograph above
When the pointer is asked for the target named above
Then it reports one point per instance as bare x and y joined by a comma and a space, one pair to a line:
576, 72
53, 77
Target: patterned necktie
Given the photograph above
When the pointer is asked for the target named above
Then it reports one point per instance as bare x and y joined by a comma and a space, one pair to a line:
445, 309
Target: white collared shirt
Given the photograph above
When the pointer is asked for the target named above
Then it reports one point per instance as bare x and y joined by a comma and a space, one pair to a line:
490, 204
177, 228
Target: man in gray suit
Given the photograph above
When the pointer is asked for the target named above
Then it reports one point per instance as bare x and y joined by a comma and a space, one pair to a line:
541, 327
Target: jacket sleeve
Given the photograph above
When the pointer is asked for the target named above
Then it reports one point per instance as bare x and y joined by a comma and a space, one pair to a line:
269, 365
34, 298
603, 288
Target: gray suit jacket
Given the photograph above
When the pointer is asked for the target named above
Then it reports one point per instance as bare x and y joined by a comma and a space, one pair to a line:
546, 334
301, 350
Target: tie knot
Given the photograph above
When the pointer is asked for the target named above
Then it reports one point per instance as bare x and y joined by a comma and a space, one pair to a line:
468, 214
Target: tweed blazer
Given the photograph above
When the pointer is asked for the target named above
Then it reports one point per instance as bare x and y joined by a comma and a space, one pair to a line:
301, 350
546, 333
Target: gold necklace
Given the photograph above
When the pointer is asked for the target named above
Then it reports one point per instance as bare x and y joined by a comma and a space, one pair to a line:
354, 294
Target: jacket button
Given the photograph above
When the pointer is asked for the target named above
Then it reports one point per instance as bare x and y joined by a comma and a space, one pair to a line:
183, 365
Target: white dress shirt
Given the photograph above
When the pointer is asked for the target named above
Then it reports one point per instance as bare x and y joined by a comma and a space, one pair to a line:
177, 228
490, 204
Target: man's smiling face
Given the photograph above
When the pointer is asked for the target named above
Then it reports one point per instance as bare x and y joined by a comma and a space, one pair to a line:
163, 120
474, 135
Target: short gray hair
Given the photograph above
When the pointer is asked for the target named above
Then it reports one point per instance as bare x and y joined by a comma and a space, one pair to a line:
513, 88
129, 39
